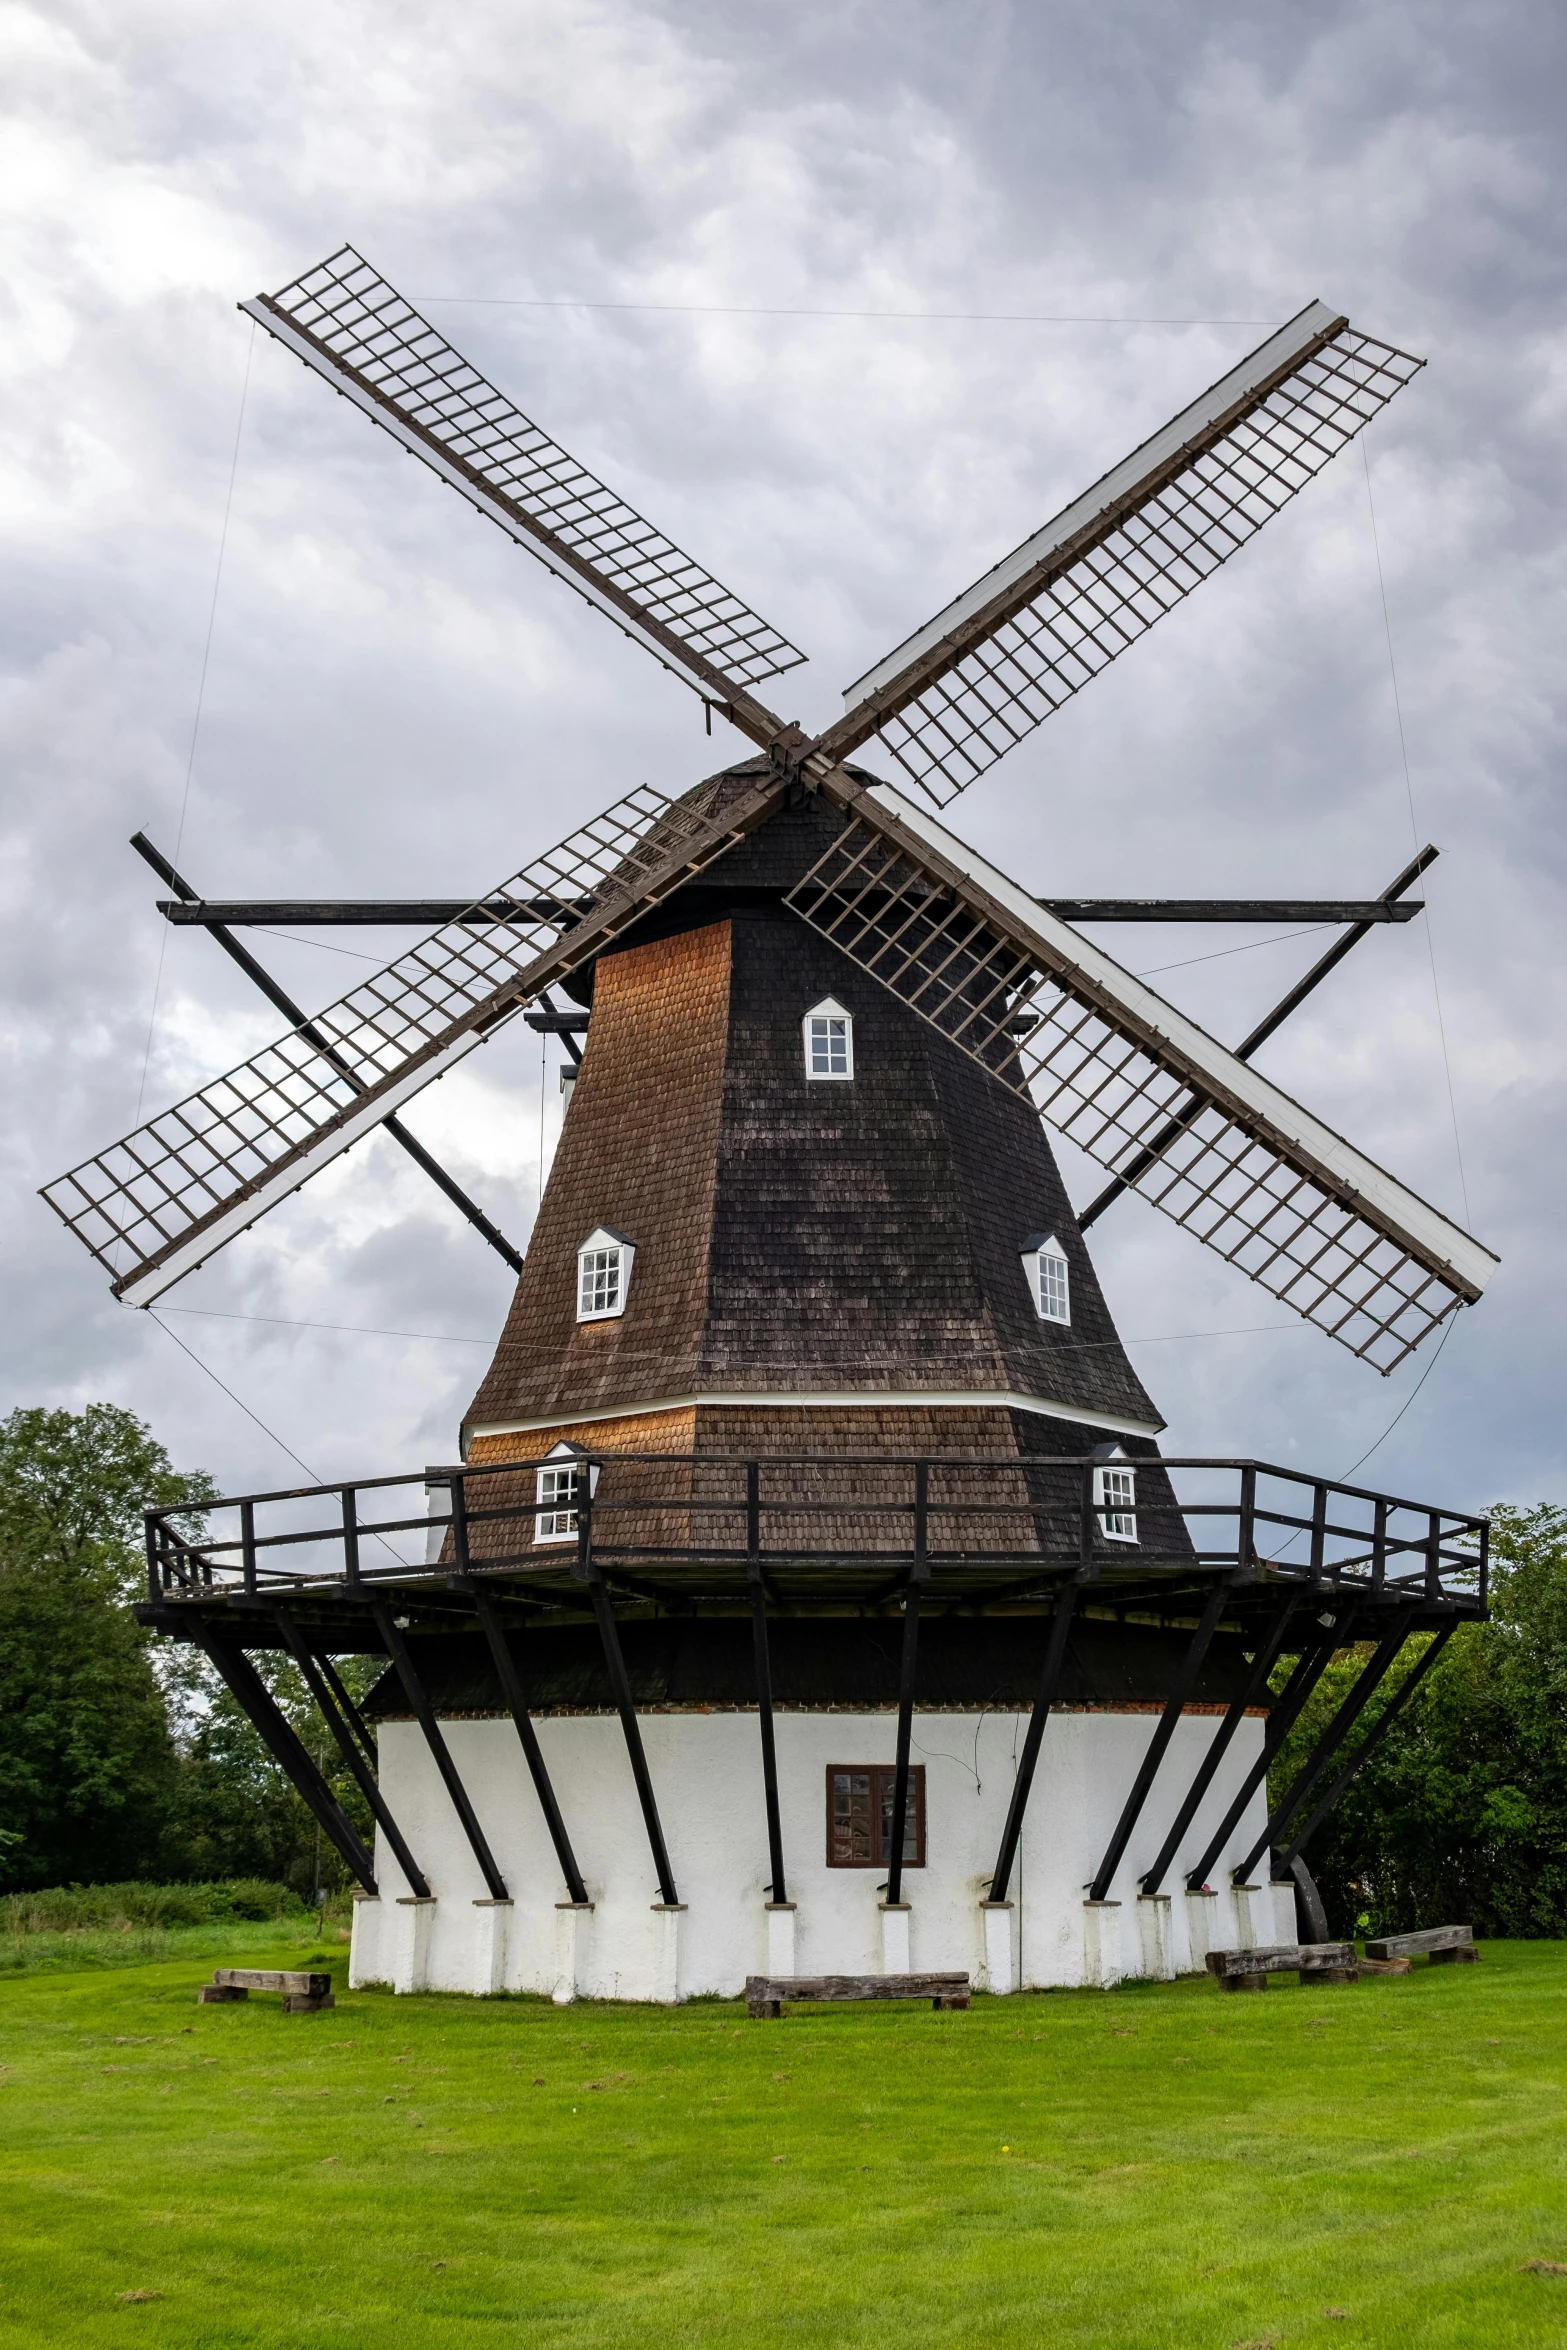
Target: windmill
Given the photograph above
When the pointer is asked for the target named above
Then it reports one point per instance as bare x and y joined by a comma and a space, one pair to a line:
804, 1207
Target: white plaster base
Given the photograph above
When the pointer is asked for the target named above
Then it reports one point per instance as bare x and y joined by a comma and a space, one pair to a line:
780, 1937
895, 1937
364, 1942
1154, 1946
413, 1920
666, 1951
490, 1922
998, 1974
707, 1774
1202, 1911
572, 1919
1102, 1968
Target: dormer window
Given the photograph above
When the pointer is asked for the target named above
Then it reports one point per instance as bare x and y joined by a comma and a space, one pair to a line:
603, 1275
1045, 1270
1115, 1495
557, 1488
829, 1040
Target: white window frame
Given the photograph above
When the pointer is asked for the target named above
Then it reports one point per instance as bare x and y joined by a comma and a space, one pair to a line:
828, 1011
602, 1243
555, 1495
1115, 1497
1051, 1293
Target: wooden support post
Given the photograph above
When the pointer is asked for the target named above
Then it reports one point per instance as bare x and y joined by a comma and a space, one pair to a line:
247, 1547
1310, 1666
1175, 1704
586, 1571
1329, 1743
1395, 1705
1044, 1699
512, 1690
364, 1777
918, 1575
1256, 1682
346, 1706
277, 1734
762, 1661
440, 1753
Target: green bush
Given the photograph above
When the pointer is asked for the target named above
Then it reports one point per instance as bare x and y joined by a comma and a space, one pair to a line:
74, 1909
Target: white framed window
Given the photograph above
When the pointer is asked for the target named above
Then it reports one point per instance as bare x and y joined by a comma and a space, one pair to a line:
603, 1275
829, 1040
555, 1496
1049, 1281
1115, 1497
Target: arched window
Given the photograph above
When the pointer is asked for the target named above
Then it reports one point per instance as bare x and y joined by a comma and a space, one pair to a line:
603, 1275
1049, 1283
829, 1040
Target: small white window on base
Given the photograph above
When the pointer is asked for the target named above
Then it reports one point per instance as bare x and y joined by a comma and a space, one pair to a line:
603, 1275
555, 1496
1049, 1282
1115, 1496
829, 1040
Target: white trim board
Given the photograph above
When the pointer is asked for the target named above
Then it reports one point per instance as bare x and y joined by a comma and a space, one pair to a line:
824, 1399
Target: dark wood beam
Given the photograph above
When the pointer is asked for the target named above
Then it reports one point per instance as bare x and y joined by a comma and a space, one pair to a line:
430, 913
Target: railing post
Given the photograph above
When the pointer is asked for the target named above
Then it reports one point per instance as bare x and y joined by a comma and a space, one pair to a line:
1085, 1524
149, 1525
1379, 1546
1246, 1529
350, 1537
1485, 1558
1433, 1554
1319, 1525
457, 1487
247, 1545
921, 1519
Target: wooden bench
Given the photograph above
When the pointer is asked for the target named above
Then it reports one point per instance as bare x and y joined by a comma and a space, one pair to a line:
1314, 1962
1447, 1945
765, 1995
303, 1994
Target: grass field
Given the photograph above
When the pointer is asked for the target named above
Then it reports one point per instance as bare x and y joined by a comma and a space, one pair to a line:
1160, 2165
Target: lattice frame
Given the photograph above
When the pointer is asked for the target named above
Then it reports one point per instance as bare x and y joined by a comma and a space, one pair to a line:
1111, 593
1123, 1098
139, 1199
380, 339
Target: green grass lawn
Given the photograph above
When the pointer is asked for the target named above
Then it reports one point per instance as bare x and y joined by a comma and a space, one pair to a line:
1161, 2165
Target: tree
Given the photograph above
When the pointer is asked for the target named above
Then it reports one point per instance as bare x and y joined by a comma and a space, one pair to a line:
89, 1771
1461, 1813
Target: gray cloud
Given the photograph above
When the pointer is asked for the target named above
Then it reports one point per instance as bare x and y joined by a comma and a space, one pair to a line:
396, 698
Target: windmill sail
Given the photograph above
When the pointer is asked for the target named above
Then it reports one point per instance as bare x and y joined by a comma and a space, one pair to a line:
160, 1202
347, 323
1117, 1070
1023, 639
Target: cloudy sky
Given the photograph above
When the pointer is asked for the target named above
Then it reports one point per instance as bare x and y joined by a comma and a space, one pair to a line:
849, 299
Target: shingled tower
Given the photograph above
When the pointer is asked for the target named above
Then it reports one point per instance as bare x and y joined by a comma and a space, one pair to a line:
825, 1258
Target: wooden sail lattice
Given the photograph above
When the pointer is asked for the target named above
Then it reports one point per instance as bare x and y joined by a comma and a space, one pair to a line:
346, 320
1136, 1087
1100, 583
154, 1204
